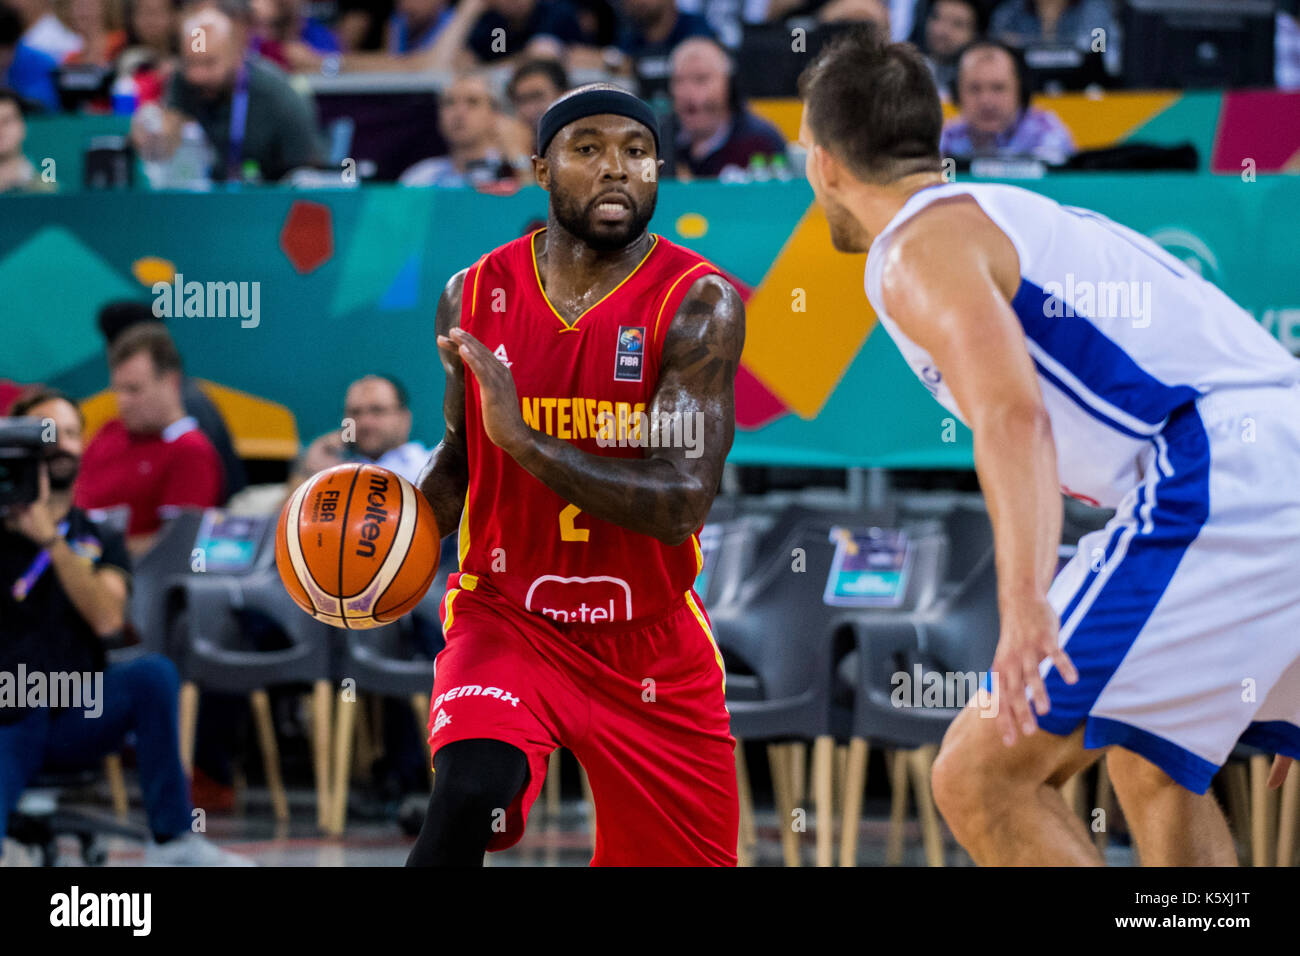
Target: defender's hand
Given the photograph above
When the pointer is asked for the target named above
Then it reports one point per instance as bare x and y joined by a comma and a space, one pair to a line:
502, 419
1029, 634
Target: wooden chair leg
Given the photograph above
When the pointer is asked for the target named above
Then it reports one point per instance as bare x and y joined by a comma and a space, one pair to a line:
1237, 787
1261, 812
551, 793
798, 751
779, 759
261, 702
823, 797
345, 725
897, 807
855, 784
189, 721
420, 704
921, 762
321, 725
839, 765
1102, 837
1288, 818
746, 834
117, 786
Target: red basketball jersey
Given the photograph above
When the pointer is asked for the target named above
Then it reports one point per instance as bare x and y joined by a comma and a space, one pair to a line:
589, 383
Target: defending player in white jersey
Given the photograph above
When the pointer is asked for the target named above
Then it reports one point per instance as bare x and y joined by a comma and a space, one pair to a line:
1087, 360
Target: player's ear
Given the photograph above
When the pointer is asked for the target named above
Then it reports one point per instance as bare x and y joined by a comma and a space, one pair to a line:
542, 172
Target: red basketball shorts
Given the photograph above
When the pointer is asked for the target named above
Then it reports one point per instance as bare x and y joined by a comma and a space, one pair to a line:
642, 709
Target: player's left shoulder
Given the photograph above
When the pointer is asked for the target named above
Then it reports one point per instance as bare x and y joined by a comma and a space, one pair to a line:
951, 240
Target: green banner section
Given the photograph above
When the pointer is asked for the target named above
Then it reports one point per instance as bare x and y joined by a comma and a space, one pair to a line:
337, 284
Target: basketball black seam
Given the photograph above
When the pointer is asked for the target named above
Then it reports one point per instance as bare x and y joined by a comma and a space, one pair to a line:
343, 539
374, 608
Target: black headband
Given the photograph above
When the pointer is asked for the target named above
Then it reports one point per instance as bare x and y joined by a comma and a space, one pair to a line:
590, 103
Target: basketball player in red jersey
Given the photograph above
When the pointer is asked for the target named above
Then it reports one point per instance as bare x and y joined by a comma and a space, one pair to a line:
589, 407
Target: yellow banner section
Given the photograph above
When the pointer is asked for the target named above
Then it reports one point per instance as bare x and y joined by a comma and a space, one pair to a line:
1093, 121
808, 317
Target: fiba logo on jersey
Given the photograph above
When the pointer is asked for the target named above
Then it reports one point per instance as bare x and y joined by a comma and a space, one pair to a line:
628, 361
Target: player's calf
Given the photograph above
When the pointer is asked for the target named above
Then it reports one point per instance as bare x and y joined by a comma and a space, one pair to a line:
474, 782
1171, 825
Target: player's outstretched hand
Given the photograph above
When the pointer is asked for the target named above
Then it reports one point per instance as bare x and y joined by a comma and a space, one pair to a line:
1029, 634
502, 420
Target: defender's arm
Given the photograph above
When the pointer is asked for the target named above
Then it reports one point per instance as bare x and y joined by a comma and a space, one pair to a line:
948, 282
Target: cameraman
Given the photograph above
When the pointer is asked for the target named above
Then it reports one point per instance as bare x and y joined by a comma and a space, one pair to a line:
64, 581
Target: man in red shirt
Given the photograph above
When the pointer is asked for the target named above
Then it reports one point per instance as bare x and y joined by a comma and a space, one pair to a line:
152, 458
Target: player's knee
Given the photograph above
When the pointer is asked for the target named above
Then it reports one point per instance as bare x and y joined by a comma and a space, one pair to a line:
475, 778
1136, 780
955, 781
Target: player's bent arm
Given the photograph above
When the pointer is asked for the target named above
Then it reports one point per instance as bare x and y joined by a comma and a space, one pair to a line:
667, 493
445, 477
960, 313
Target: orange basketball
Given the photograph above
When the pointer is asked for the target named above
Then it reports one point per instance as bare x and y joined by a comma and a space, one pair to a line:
357, 546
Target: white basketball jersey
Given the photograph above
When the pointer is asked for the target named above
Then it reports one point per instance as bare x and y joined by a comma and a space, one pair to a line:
1121, 332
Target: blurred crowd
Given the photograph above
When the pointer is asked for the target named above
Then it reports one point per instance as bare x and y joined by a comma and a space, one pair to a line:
219, 90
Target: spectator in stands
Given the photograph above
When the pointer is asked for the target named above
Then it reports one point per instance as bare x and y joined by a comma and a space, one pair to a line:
715, 130
150, 56
950, 26
415, 24
278, 133
996, 119
534, 86
1073, 23
152, 458
281, 28
856, 11
71, 578
377, 408
507, 28
24, 69
17, 174
362, 24
653, 30
727, 18
114, 319
101, 42
43, 30
471, 126
1286, 45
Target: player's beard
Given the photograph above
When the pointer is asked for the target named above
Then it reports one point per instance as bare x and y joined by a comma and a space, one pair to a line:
578, 220
847, 234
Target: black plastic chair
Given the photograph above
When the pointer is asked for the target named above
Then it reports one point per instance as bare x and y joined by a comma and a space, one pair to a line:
391, 661
38, 820
957, 636
780, 642
223, 615
157, 581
